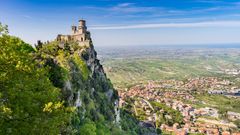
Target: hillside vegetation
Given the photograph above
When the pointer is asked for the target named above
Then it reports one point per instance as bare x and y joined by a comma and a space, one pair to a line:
57, 88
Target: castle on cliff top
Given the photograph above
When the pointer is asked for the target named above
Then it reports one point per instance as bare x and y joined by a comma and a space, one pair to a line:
79, 34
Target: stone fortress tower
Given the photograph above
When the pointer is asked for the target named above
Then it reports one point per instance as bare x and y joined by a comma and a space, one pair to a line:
79, 34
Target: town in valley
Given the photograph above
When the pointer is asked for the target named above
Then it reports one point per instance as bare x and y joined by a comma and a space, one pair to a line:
203, 102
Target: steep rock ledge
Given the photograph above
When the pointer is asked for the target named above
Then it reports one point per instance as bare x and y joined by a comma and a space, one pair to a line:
76, 70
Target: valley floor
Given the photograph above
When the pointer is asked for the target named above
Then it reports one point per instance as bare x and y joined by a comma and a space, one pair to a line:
179, 91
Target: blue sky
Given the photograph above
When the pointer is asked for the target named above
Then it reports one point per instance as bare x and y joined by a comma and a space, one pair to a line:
125, 22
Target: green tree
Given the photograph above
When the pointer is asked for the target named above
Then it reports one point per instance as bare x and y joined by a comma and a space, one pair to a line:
88, 128
237, 123
29, 103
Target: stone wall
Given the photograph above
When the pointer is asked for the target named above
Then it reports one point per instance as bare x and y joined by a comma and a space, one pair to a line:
79, 34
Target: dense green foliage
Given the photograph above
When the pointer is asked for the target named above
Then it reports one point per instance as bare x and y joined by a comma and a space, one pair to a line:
131, 125
83, 67
29, 103
176, 116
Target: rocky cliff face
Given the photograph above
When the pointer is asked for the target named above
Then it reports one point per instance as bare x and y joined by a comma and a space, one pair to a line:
76, 70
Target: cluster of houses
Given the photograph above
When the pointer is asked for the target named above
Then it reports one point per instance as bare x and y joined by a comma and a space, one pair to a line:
208, 129
191, 115
233, 72
233, 115
235, 93
206, 83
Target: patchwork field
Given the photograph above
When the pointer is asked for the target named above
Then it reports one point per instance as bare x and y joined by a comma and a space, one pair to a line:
161, 63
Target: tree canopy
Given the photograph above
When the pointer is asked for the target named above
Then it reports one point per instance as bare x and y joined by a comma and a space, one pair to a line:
29, 103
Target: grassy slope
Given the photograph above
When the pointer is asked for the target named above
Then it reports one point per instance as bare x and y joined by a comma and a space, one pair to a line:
220, 102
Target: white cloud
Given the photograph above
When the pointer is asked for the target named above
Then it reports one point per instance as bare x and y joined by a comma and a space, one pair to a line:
27, 16
130, 8
125, 4
172, 25
130, 11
